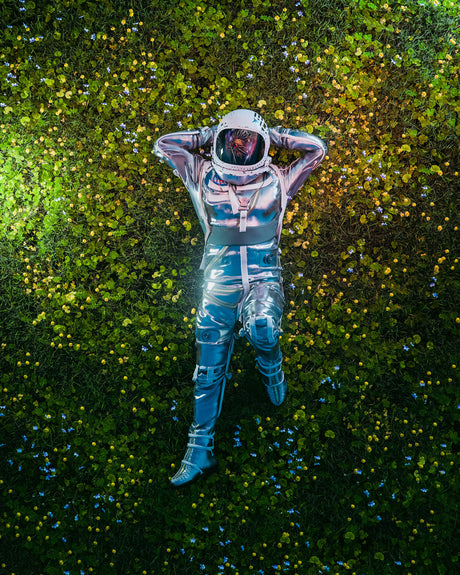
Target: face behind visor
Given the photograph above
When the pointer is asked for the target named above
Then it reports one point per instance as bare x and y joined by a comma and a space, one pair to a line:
241, 145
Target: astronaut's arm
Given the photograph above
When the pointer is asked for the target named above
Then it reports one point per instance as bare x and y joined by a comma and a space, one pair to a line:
177, 148
313, 148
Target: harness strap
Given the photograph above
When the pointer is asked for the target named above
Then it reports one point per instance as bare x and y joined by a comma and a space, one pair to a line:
240, 204
244, 278
224, 236
233, 200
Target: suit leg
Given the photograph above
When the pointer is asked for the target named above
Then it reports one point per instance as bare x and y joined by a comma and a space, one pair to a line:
262, 311
214, 343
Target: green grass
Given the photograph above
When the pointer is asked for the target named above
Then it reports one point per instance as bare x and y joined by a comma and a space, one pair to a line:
99, 254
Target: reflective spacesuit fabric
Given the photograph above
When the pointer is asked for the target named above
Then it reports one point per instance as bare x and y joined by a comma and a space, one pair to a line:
241, 223
241, 268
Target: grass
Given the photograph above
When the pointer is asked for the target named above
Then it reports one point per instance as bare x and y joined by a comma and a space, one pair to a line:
99, 252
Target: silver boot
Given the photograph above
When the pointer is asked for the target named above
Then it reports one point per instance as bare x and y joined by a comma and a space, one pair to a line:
199, 457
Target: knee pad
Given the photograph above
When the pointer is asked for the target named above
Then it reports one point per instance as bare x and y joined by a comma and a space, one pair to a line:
262, 331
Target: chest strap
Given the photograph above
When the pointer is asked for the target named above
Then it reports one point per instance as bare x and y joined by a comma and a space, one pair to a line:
242, 205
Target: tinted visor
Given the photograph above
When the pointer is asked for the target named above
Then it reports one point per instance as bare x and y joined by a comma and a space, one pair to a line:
240, 147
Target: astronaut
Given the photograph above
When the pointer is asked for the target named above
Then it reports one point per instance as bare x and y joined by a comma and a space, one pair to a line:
240, 198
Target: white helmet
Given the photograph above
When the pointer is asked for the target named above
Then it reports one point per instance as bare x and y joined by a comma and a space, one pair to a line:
241, 145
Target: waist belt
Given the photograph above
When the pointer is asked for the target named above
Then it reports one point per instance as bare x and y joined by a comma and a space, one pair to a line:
224, 236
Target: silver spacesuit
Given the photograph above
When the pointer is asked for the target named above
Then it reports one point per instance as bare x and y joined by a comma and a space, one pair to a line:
240, 199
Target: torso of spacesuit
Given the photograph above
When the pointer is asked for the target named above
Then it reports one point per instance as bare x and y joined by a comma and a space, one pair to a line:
242, 218
242, 223
242, 210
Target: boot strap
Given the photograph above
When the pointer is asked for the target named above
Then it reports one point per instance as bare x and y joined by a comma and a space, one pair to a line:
270, 370
198, 436
192, 465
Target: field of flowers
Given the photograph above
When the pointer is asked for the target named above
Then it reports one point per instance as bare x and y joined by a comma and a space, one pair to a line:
99, 254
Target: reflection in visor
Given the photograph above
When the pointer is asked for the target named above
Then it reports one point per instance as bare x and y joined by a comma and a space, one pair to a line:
240, 147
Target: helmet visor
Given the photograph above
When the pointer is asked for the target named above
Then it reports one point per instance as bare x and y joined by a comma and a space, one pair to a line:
240, 147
